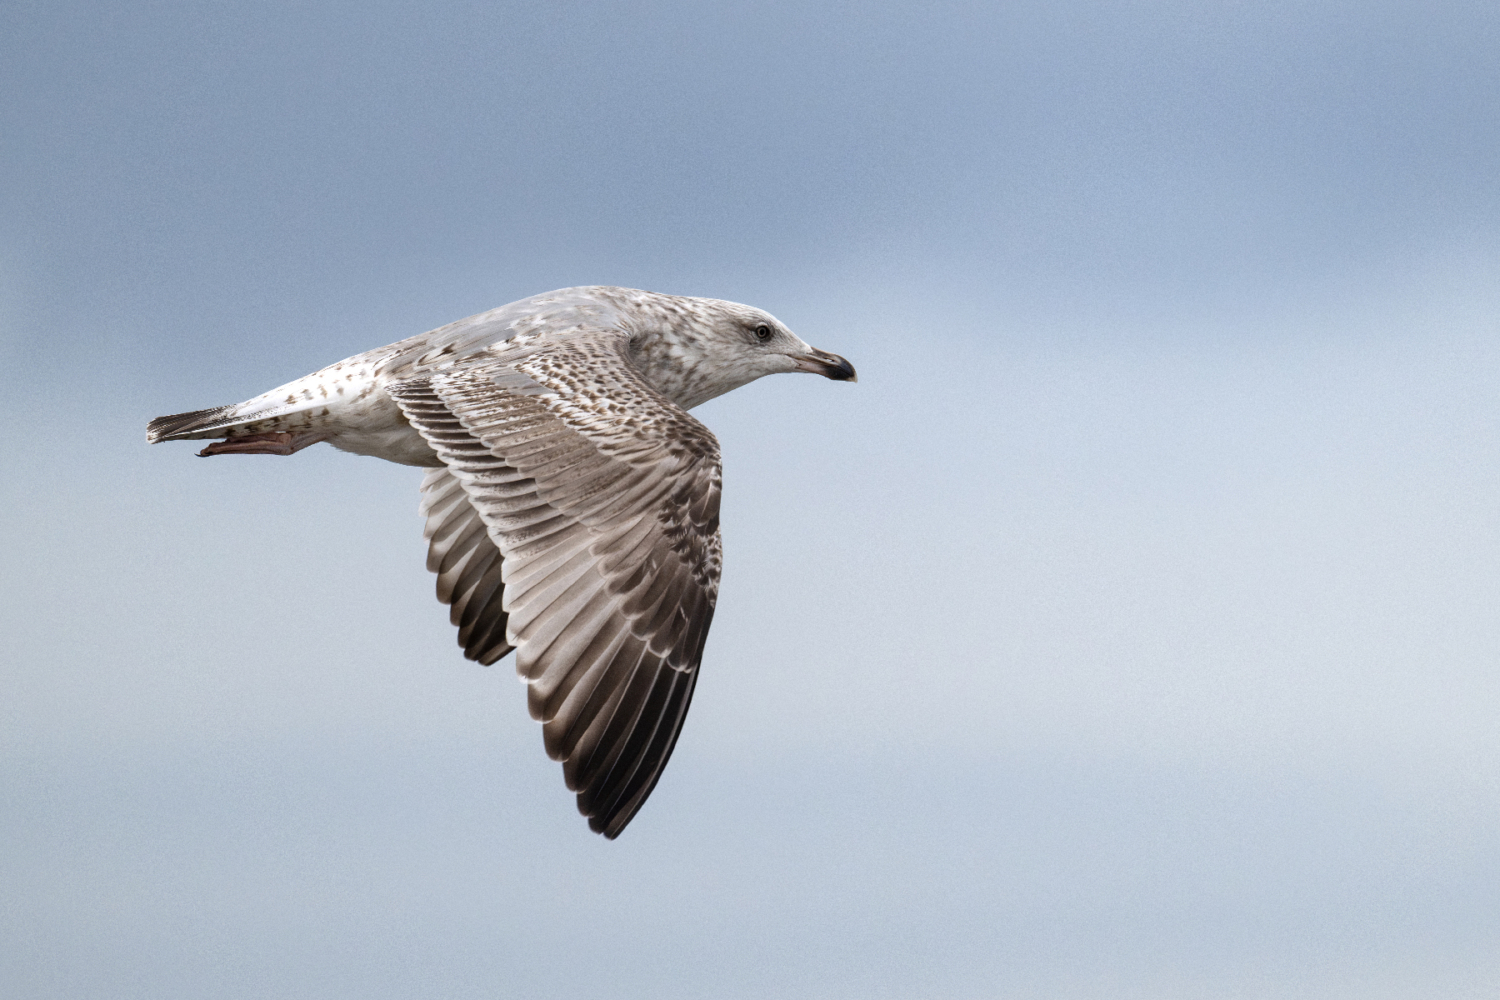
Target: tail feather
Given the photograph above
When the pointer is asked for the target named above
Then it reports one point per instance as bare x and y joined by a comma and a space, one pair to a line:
212, 422
302, 408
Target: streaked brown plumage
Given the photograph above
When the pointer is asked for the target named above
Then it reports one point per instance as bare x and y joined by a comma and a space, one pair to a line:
572, 503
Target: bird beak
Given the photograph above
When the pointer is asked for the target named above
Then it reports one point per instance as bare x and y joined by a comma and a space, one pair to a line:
825, 364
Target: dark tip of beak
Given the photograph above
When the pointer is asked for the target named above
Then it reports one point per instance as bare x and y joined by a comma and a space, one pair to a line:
827, 365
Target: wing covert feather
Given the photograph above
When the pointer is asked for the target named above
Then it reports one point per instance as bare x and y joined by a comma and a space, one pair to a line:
599, 500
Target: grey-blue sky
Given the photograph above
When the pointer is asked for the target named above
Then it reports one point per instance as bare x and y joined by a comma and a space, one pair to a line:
1128, 630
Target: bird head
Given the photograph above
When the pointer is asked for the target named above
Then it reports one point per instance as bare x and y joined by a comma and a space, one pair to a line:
709, 347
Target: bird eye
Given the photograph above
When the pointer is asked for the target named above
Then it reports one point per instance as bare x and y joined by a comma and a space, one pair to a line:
763, 332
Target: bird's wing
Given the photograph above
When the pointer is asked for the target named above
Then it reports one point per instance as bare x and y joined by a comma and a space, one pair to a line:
468, 567
602, 497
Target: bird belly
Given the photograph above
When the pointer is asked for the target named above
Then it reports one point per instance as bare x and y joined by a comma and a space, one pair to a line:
374, 425
399, 444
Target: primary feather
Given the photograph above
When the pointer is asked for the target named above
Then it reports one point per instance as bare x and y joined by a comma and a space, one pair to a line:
571, 502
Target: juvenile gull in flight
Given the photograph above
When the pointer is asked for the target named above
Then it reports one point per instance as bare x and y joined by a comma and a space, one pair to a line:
572, 504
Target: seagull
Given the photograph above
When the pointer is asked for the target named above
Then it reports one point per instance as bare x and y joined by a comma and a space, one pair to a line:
571, 501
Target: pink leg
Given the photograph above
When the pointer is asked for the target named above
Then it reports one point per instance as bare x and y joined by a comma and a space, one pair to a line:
268, 443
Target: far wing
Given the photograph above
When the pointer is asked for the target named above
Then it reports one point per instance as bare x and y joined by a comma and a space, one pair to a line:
467, 565
602, 497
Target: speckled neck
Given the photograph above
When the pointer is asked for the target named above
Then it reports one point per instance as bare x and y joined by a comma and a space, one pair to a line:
670, 342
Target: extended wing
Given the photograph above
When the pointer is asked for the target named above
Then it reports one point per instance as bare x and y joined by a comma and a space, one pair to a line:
602, 498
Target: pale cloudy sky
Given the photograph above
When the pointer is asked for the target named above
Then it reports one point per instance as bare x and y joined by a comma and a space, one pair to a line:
1129, 630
